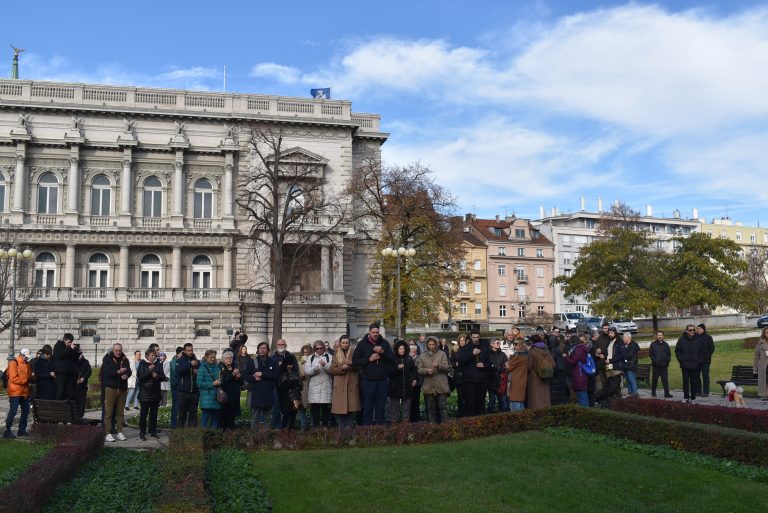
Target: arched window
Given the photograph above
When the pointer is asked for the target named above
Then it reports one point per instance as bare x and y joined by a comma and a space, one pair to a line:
202, 271
48, 194
153, 197
98, 271
203, 200
2, 192
151, 268
101, 194
45, 270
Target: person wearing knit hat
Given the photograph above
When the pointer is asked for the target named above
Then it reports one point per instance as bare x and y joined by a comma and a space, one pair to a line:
705, 339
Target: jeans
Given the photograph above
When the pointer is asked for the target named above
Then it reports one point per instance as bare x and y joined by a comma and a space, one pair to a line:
187, 409
582, 398
260, 417
705, 378
15, 403
148, 408
501, 399
174, 407
631, 382
133, 397
374, 400
210, 418
303, 419
516, 405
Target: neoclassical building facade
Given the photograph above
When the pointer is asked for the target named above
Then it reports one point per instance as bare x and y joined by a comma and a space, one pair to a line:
126, 197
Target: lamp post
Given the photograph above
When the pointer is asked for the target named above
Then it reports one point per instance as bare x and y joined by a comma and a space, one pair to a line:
11, 257
398, 253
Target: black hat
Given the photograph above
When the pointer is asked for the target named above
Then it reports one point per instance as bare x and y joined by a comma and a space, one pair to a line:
702, 326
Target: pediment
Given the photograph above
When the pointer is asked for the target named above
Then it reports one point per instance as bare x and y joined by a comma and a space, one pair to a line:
299, 155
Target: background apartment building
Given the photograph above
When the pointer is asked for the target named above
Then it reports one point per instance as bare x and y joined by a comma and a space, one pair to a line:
469, 305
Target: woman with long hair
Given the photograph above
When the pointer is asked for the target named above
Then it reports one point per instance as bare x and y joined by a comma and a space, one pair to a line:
306, 352
458, 381
760, 366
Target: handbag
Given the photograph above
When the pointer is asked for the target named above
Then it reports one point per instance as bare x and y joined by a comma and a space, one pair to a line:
221, 395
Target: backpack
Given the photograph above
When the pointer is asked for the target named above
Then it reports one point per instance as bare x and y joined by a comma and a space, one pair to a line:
588, 368
543, 364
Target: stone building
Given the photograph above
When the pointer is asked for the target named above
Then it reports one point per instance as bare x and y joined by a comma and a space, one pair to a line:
126, 196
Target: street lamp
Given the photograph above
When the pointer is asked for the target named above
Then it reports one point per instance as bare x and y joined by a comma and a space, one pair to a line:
11, 257
398, 253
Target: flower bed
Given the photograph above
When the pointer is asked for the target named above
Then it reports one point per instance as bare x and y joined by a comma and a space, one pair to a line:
737, 418
182, 477
74, 446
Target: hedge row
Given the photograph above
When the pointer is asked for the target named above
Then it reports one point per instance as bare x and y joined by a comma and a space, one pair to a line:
183, 486
738, 418
74, 446
742, 446
750, 342
233, 485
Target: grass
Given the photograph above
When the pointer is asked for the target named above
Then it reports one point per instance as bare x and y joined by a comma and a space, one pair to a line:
531, 472
727, 354
16, 456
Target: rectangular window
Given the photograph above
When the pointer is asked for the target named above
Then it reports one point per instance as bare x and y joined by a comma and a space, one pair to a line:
44, 278
463, 265
463, 308
27, 328
520, 272
541, 310
202, 328
100, 202
521, 293
580, 239
478, 309
660, 245
2, 198
752, 238
478, 288
462, 286
502, 290
47, 200
539, 291
150, 279
738, 235
589, 223
146, 328
476, 265
539, 253
521, 252
502, 310
201, 280
521, 312
567, 272
567, 257
153, 202
203, 205
88, 327
97, 278
520, 233
566, 240
539, 272
502, 250
502, 270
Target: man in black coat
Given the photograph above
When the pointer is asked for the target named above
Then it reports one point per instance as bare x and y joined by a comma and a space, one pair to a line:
115, 371
474, 360
65, 367
187, 393
690, 354
81, 379
709, 348
281, 355
661, 355
373, 356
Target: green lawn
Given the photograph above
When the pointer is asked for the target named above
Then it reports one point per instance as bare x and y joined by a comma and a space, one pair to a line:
527, 472
15, 456
727, 354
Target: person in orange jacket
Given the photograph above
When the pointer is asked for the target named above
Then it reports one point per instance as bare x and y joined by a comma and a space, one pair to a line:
19, 374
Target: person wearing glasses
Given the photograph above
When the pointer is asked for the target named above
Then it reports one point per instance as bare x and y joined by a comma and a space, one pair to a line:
373, 356
690, 353
346, 396
318, 370
261, 376
475, 362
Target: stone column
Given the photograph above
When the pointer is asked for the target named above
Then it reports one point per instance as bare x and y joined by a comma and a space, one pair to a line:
20, 180
176, 268
69, 266
226, 278
73, 185
229, 167
324, 266
177, 189
126, 189
124, 262
338, 269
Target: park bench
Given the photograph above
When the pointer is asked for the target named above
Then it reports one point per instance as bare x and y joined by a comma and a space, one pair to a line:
643, 373
740, 375
57, 412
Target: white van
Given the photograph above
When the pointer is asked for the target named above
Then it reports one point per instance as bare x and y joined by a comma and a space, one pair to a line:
567, 321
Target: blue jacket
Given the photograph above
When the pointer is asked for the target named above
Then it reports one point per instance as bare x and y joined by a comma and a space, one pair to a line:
186, 375
263, 390
206, 375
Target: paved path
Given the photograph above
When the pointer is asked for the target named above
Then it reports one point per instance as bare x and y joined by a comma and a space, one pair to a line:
672, 338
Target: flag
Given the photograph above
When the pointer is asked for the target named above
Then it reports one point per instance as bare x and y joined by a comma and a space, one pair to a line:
323, 93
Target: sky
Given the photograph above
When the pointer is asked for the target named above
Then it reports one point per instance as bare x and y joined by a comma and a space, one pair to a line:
514, 105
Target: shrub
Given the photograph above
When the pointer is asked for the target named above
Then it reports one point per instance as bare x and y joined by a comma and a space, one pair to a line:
750, 342
737, 418
183, 487
74, 446
233, 485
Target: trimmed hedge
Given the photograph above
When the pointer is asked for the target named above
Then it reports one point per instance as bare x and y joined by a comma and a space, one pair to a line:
182, 477
74, 446
738, 418
750, 342
233, 485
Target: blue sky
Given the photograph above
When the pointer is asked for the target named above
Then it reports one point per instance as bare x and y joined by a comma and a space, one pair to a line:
514, 104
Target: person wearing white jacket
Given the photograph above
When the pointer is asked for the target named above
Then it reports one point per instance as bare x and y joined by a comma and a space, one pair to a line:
133, 384
165, 386
320, 384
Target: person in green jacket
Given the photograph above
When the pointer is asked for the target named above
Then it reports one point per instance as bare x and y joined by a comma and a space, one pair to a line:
208, 378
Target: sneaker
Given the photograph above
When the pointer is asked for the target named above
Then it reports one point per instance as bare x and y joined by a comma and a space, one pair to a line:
109, 438
121, 437
693, 399
22, 433
686, 400
8, 435
135, 407
127, 409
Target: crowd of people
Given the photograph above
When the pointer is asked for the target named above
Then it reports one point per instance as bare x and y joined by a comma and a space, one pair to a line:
367, 383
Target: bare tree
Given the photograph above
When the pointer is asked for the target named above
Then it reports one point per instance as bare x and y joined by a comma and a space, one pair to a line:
14, 271
621, 216
290, 211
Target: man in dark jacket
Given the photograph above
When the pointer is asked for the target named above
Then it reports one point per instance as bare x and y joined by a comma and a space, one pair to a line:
498, 360
282, 355
604, 338
373, 356
81, 379
115, 371
261, 375
709, 348
690, 354
474, 362
661, 355
175, 387
188, 394
631, 350
65, 367
149, 375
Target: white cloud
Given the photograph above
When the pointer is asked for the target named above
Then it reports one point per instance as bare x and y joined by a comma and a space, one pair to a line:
195, 72
278, 72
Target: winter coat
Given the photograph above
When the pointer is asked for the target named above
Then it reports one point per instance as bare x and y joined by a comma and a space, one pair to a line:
517, 376
186, 375
232, 386
630, 356
173, 379
400, 379
498, 359
690, 353
262, 390
46, 387
369, 370
304, 380
437, 383
660, 353
468, 363
64, 360
288, 388
109, 367
19, 374
133, 380
166, 385
760, 366
83, 371
320, 380
346, 386
709, 346
578, 377
206, 375
614, 356
537, 390
149, 386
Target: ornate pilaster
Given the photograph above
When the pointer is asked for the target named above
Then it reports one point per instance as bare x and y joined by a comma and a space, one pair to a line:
73, 186
69, 266
122, 281
177, 219
226, 268
337, 269
325, 266
19, 184
126, 189
176, 268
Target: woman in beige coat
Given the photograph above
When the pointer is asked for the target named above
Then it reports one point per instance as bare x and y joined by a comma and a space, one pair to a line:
346, 395
433, 366
760, 367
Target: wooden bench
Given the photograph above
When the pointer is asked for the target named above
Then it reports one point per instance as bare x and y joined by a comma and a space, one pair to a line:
643, 373
740, 375
58, 412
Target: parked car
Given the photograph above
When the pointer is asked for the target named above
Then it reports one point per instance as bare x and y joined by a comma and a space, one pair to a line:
762, 322
567, 321
587, 324
623, 325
